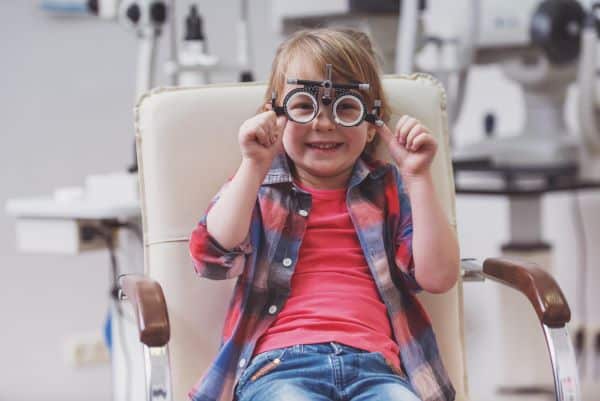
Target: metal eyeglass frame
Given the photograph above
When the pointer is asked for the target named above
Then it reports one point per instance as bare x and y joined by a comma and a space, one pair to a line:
312, 89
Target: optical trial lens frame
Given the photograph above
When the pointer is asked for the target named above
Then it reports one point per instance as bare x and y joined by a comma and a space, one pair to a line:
327, 86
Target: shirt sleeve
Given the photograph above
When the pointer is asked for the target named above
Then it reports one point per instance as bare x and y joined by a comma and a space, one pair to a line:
210, 259
404, 236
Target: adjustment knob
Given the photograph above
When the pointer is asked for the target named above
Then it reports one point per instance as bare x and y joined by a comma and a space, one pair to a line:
134, 13
556, 28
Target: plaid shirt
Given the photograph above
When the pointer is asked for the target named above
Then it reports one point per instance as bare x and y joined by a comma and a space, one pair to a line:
265, 261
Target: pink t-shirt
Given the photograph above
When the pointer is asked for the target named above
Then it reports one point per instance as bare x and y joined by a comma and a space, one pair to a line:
333, 294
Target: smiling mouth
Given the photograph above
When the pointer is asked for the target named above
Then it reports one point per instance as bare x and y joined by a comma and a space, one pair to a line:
330, 146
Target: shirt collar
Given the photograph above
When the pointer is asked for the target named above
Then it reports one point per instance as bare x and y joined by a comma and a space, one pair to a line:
364, 167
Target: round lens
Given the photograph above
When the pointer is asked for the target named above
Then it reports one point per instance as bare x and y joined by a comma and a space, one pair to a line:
348, 110
301, 107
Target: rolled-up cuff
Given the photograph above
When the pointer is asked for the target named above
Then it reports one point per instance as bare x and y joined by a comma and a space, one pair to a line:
212, 260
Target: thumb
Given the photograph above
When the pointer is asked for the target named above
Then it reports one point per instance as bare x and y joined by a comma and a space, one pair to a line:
384, 132
280, 125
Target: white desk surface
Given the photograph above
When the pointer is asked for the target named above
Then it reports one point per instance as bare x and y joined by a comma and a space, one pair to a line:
48, 207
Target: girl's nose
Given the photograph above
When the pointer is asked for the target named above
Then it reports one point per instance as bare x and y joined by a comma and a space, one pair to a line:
324, 120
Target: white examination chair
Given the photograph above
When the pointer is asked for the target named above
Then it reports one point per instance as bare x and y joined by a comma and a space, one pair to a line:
187, 148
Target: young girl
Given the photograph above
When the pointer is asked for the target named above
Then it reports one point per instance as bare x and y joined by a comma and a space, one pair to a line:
328, 244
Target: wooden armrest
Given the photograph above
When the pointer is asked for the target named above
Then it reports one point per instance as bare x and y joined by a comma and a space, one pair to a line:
148, 300
536, 284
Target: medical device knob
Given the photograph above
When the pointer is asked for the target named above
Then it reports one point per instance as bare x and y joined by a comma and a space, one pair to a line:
158, 12
556, 28
193, 25
134, 13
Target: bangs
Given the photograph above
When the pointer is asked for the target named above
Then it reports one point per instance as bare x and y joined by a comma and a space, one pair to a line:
316, 53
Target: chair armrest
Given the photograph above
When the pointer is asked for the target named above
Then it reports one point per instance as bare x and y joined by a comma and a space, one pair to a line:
536, 284
147, 298
552, 310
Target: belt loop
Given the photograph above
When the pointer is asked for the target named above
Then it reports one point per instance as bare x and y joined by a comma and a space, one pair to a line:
336, 348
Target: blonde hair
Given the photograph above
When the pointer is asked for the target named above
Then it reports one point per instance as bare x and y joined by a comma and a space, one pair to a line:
351, 54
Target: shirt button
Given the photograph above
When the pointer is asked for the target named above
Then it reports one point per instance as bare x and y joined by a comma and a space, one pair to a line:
242, 362
287, 262
272, 309
302, 212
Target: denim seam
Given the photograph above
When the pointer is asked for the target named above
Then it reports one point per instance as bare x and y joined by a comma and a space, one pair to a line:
336, 370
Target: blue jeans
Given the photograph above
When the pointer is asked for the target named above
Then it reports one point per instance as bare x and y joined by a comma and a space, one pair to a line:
319, 372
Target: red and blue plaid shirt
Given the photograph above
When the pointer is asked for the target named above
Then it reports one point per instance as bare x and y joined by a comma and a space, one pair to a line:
265, 261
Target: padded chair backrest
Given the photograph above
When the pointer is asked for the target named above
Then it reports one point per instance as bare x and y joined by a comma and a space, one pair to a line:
187, 148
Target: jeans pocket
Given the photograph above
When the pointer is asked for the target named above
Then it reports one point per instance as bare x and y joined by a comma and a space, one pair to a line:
259, 366
393, 368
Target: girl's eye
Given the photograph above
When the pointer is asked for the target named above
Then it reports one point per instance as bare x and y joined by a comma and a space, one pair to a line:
348, 106
303, 106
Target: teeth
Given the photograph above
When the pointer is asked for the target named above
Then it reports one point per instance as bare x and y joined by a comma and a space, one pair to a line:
324, 145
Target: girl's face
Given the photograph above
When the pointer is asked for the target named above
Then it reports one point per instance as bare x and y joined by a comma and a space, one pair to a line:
323, 152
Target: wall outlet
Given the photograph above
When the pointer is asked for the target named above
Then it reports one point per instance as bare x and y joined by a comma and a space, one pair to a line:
82, 350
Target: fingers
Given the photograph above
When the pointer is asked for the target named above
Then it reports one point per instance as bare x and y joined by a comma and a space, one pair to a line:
416, 130
262, 136
403, 127
272, 129
407, 130
422, 141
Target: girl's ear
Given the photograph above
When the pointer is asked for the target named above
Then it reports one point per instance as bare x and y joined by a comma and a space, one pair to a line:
371, 134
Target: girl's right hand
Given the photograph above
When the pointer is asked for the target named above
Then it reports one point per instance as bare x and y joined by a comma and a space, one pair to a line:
260, 138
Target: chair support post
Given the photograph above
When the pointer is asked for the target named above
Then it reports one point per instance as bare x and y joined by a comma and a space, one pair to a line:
564, 367
158, 381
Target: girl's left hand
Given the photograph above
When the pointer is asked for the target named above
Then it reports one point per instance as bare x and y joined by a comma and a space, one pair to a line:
411, 146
